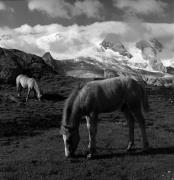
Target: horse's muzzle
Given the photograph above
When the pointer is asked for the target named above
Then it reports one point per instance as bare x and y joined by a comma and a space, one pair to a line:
69, 155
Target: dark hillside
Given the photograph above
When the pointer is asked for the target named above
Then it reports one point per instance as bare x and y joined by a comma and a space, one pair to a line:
14, 62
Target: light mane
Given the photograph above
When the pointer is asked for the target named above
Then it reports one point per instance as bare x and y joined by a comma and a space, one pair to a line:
69, 105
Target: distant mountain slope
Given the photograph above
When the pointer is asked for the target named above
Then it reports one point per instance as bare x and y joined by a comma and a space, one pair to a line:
87, 67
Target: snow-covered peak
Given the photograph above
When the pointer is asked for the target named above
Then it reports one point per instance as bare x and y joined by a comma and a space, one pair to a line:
116, 47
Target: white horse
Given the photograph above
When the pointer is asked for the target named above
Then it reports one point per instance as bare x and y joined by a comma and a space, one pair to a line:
103, 96
23, 81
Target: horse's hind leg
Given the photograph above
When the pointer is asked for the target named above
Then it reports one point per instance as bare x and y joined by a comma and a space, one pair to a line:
35, 93
141, 121
130, 120
18, 88
92, 131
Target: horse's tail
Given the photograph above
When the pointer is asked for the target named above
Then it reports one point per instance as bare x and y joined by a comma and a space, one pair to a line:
18, 85
145, 101
17, 80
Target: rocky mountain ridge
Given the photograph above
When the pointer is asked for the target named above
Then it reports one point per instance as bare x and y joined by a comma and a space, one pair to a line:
14, 62
116, 47
111, 59
150, 49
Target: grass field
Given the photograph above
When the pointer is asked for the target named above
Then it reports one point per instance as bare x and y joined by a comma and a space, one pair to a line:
31, 147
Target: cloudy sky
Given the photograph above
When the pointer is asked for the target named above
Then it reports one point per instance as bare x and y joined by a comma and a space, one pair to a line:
70, 27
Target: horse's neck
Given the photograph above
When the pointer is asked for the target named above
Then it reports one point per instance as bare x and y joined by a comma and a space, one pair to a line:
73, 119
76, 116
36, 87
71, 113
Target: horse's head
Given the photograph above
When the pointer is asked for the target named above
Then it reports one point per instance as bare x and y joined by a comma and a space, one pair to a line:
70, 123
39, 93
39, 96
71, 140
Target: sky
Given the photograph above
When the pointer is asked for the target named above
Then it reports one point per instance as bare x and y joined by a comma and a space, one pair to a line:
69, 28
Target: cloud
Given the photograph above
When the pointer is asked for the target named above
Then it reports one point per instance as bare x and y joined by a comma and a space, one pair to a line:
2, 6
62, 42
89, 8
142, 7
64, 9
165, 34
72, 41
53, 8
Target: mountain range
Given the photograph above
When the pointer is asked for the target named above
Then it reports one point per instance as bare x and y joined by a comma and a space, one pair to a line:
108, 59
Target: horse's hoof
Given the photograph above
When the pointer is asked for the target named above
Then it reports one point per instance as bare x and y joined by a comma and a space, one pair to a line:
90, 156
146, 150
130, 147
146, 147
69, 158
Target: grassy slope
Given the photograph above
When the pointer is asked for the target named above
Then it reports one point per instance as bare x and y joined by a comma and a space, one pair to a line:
31, 147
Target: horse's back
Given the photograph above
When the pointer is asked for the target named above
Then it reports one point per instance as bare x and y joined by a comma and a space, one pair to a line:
107, 87
21, 76
110, 94
102, 95
25, 81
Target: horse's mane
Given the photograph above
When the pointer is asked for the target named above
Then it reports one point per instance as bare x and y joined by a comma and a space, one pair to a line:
69, 102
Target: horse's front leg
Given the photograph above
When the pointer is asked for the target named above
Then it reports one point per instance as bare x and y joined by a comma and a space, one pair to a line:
130, 120
92, 131
28, 94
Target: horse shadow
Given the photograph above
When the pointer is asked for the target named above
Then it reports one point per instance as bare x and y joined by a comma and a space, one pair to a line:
135, 152
138, 152
52, 96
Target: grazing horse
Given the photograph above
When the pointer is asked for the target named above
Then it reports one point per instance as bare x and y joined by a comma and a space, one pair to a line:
103, 96
23, 81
